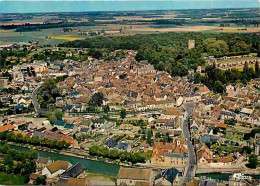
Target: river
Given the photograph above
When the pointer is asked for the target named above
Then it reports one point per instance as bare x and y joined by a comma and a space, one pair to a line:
108, 168
91, 165
223, 176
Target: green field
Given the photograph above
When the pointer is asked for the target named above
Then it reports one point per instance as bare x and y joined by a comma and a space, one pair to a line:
56, 36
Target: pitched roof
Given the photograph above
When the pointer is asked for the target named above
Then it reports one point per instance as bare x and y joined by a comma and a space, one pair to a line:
38, 134
6, 127
69, 126
135, 173
58, 165
34, 176
68, 140
170, 174
60, 123
73, 181
74, 171
19, 132
52, 135
171, 149
42, 160
173, 111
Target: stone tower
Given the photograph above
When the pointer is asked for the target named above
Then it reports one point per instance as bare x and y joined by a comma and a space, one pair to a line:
191, 44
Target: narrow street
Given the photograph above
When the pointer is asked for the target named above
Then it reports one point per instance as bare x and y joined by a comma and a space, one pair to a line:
35, 100
190, 169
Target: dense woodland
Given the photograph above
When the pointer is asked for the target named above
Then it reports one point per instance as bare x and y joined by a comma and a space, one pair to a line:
169, 51
16, 166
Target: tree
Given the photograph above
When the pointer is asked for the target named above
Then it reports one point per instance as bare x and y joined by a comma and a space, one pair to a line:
247, 149
157, 135
41, 180
257, 69
95, 53
1, 104
58, 114
53, 119
149, 137
219, 87
253, 161
123, 114
48, 93
106, 109
96, 99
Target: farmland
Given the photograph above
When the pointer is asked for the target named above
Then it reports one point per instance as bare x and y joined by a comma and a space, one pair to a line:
58, 27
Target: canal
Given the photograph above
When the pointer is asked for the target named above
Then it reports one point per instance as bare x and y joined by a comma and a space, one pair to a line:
91, 165
223, 176
111, 169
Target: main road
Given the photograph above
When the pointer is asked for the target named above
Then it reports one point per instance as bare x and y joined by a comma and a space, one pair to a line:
190, 169
35, 100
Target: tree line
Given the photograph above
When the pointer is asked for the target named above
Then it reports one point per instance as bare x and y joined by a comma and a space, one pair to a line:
217, 79
17, 162
138, 157
169, 51
43, 142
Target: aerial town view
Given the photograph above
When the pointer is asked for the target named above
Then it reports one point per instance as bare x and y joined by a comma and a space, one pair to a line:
137, 92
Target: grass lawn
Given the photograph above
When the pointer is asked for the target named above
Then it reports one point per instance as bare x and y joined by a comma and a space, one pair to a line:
11, 179
234, 136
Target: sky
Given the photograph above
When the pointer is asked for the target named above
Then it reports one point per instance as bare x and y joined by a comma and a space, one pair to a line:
135, 0
34, 6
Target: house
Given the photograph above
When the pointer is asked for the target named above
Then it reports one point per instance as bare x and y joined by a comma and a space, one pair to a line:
108, 125
56, 169
69, 54
52, 135
170, 154
200, 69
146, 69
124, 146
59, 123
38, 134
172, 113
193, 182
69, 126
84, 130
72, 142
74, 171
98, 123
7, 127
96, 182
207, 138
72, 181
42, 162
126, 127
222, 161
169, 177
3, 82
203, 90
33, 177
204, 155
135, 176
69, 108
111, 143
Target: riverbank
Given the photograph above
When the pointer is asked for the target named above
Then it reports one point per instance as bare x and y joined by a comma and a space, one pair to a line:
77, 153
223, 176
92, 165
100, 166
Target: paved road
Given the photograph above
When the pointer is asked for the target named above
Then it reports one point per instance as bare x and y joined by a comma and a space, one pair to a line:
35, 100
191, 167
